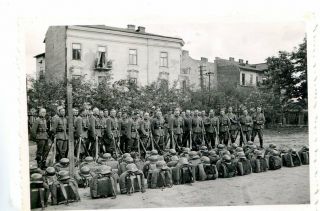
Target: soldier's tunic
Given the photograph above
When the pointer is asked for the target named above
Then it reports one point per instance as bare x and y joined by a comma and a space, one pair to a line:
95, 133
133, 135
187, 130
145, 128
39, 133
158, 131
176, 126
113, 134
197, 130
59, 129
124, 125
78, 131
233, 126
212, 127
224, 122
258, 125
246, 125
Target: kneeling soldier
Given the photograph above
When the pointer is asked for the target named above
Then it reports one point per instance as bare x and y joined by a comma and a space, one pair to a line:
210, 169
62, 165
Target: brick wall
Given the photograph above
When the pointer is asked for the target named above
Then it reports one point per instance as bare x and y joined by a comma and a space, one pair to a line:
55, 53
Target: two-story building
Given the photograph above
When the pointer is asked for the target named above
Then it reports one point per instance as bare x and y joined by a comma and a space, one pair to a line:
94, 51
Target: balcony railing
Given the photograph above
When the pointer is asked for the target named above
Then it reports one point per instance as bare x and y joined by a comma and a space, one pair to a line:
103, 66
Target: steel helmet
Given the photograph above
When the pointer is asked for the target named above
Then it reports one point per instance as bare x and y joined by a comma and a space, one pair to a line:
64, 161
192, 153
241, 155
205, 159
203, 148
183, 161
250, 143
128, 160
126, 155
88, 159
239, 149
85, 171
106, 156
212, 153
154, 152
153, 158
131, 167
234, 145
33, 167
50, 171
174, 158
226, 158
220, 146
36, 178
172, 151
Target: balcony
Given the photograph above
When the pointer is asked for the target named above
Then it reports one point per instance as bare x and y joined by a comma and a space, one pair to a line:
103, 65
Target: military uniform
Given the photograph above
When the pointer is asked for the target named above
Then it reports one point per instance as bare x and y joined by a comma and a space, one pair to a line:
59, 128
197, 126
145, 128
113, 134
124, 125
224, 122
133, 135
39, 133
95, 133
258, 125
187, 128
176, 126
233, 126
246, 125
212, 127
157, 126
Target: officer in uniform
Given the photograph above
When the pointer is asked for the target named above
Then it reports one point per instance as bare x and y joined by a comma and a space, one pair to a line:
246, 125
85, 127
124, 124
145, 129
233, 124
212, 127
39, 133
187, 129
133, 133
59, 129
157, 130
258, 125
78, 128
197, 126
224, 122
204, 119
95, 131
176, 127
113, 133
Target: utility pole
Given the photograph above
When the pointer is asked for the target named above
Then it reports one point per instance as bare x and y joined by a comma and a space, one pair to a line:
70, 122
202, 69
209, 75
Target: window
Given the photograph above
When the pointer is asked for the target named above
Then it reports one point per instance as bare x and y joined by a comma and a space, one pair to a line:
76, 51
243, 79
163, 59
251, 79
257, 80
101, 57
184, 85
185, 70
133, 57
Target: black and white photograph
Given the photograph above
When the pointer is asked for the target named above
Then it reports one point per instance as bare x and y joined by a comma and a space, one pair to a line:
146, 112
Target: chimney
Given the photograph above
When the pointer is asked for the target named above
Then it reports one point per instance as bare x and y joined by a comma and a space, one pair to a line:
241, 61
231, 59
203, 59
247, 62
141, 29
131, 27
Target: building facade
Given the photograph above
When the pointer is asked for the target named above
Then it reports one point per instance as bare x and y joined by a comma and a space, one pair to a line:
40, 65
96, 51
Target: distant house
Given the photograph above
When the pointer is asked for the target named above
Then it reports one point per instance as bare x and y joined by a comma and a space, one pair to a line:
94, 51
40, 65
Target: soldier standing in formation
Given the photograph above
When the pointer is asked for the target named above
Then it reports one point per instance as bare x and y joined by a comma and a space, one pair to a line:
197, 125
258, 125
212, 128
157, 125
59, 130
246, 127
233, 124
176, 127
113, 133
224, 126
187, 129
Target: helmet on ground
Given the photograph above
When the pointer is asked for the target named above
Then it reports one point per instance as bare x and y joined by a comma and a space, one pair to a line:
154, 152
104, 169
50, 171
128, 160
241, 155
36, 178
226, 158
239, 149
259, 153
131, 167
63, 175
220, 146
172, 151
234, 145
85, 171
205, 159
153, 158
250, 143
174, 158
106, 156
64, 161
88, 159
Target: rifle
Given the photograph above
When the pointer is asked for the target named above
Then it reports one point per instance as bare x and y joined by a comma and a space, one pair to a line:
97, 147
139, 142
150, 138
243, 137
54, 150
155, 143
173, 141
44, 158
115, 145
79, 148
190, 140
217, 137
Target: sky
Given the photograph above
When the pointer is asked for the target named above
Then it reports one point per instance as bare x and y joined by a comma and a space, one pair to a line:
252, 34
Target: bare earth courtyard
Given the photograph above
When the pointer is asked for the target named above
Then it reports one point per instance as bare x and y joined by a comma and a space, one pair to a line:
284, 186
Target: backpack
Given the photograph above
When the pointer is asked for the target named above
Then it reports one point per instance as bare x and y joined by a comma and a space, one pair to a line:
296, 159
304, 156
198, 172
165, 178
131, 182
186, 175
211, 171
227, 170
38, 196
243, 167
259, 165
287, 160
102, 186
275, 162
65, 192
175, 174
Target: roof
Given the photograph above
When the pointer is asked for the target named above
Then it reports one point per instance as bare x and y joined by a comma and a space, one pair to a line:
39, 55
244, 66
130, 31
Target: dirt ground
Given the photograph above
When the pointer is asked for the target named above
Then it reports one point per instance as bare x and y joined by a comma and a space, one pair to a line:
284, 186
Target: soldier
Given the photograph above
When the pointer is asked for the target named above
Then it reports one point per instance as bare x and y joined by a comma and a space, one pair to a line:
176, 127
133, 133
113, 133
124, 124
245, 126
204, 132
39, 133
78, 130
212, 127
197, 125
157, 130
85, 127
145, 129
95, 132
187, 129
258, 125
224, 122
233, 125
59, 129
